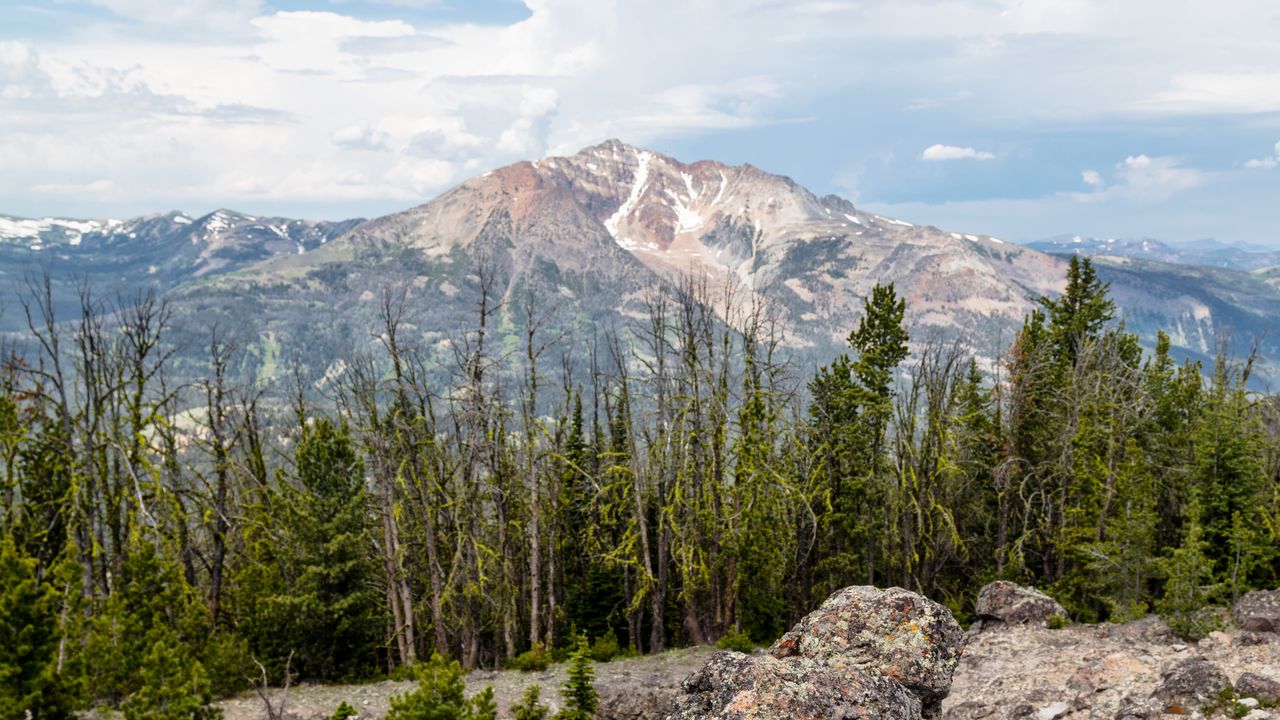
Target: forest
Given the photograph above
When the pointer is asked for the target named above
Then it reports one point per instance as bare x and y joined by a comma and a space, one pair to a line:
168, 541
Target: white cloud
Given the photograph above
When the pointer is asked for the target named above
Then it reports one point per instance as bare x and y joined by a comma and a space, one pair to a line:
1141, 179
183, 103
1156, 178
361, 137
197, 15
1218, 92
951, 152
1266, 163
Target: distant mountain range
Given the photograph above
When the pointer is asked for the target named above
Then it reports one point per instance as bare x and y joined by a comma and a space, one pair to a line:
155, 251
1208, 252
590, 236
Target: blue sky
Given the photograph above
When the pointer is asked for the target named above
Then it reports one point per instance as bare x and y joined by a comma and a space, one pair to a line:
1019, 118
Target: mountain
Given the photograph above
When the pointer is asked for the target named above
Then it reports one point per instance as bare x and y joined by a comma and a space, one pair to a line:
157, 251
592, 234
581, 242
1207, 252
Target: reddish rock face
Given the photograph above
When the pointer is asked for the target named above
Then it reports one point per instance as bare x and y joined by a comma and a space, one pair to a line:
865, 653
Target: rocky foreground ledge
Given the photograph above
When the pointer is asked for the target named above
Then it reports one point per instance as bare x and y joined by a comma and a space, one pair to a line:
1012, 666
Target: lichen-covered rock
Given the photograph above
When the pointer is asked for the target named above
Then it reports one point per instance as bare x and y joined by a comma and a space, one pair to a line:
1258, 611
1190, 684
1253, 685
895, 633
736, 686
865, 652
1015, 604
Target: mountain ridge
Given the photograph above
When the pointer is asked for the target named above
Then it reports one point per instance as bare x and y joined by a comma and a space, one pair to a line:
593, 233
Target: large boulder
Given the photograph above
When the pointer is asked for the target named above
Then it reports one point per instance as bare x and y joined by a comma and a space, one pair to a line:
1258, 611
1191, 684
865, 653
1256, 686
1013, 604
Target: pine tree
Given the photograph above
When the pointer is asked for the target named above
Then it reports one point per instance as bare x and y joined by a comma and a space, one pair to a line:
580, 697
30, 687
143, 644
1081, 312
850, 413
530, 706
327, 610
1189, 584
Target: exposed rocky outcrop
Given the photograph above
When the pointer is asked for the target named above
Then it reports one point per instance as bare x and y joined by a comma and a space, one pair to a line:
1258, 611
1191, 683
1253, 685
865, 653
1004, 602
1107, 672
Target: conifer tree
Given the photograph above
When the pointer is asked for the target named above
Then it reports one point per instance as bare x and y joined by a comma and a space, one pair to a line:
1188, 583
30, 686
327, 609
580, 697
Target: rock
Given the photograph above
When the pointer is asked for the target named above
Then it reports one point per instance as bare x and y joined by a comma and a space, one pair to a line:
1104, 673
1256, 686
893, 632
968, 710
1191, 684
733, 685
1249, 637
653, 703
1258, 611
1131, 709
865, 653
1015, 604
1050, 712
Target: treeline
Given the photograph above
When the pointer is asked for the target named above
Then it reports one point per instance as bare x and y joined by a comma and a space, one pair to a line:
165, 543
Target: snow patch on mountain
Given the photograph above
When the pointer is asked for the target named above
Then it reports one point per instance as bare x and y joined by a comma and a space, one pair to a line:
638, 185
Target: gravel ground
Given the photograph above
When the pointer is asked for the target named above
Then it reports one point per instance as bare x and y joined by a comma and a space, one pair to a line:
1078, 672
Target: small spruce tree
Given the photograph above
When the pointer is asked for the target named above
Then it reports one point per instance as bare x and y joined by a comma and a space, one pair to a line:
530, 706
580, 697
1188, 586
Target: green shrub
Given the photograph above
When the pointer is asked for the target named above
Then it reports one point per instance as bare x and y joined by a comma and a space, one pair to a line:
530, 706
736, 640
343, 712
441, 695
171, 689
535, 659
1057, 622
606, 648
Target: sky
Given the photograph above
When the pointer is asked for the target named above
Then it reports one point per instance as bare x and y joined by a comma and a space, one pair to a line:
1023, 119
